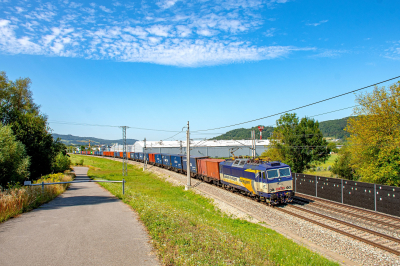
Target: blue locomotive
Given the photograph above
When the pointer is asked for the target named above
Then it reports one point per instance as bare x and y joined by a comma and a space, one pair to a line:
267, 181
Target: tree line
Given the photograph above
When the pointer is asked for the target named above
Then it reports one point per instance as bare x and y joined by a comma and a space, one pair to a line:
27, 148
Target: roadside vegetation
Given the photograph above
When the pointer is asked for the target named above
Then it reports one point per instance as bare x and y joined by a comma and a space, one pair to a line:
187, 229
17, 199
27, 148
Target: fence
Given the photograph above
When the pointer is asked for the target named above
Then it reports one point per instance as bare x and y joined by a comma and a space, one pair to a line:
374, 197
28, 183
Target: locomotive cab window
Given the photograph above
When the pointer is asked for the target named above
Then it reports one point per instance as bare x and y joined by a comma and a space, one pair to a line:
242, 162
284, 172
272, 174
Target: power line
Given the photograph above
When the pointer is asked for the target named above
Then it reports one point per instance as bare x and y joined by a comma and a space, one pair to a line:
297, 108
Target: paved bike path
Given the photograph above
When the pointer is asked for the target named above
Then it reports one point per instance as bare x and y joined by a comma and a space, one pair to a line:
85, 225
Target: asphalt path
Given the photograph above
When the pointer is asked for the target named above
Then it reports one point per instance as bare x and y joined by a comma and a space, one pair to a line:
85, 225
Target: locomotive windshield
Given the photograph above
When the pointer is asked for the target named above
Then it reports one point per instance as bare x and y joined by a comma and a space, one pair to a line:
278, 173
272, 174
284, 172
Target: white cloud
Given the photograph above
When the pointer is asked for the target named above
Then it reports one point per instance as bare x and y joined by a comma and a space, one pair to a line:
329, 53
159, 30
105, 9
19, 9
270, 32
172, 35
166, 3
183, 31
393, 52
273, 3
207, 32
317, 24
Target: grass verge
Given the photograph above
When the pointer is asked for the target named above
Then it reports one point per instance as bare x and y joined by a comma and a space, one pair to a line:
17, 200
187, 229
325, 173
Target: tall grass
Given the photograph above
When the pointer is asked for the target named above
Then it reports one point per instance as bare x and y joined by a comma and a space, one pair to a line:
187, 229
16, 200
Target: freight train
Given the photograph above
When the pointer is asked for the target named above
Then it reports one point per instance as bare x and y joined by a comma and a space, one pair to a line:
262, 180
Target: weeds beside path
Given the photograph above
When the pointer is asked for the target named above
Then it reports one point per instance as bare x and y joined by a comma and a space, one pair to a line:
187, 229
17, 200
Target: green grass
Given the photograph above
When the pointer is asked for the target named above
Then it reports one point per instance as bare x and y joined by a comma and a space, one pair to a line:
187, 229
326, 173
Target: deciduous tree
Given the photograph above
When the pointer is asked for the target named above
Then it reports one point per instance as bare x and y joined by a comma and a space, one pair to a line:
375, 136
299, 143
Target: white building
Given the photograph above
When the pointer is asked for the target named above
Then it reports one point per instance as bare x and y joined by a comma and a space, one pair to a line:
211, 148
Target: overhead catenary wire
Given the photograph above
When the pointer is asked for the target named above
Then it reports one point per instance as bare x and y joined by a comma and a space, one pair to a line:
297, 108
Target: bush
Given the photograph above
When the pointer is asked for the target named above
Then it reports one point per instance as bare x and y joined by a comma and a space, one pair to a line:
342, 165
61, 163
80, 162
14, 163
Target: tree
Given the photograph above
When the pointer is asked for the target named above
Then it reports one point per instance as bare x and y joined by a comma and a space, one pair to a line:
375, 136
61, 163
14, 162
18, 110
342, 165
298, 143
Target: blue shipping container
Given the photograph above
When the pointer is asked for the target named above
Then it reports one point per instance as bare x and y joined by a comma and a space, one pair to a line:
158, 158
141, 156
131, 155
193, 163
176, 161
166, 159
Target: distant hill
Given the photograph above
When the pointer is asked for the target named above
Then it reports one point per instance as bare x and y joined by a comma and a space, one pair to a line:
334, 128
245, 133
75, 140
331, 128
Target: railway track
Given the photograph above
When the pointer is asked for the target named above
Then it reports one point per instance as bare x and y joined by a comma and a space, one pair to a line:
373, 238
384, 220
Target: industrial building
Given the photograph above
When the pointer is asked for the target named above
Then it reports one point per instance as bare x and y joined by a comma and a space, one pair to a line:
210, 148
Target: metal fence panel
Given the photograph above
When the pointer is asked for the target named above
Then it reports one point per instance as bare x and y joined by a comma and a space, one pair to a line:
358, 194
388, 199
329, 188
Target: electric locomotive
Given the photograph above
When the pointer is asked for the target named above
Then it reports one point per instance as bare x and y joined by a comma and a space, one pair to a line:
269, 181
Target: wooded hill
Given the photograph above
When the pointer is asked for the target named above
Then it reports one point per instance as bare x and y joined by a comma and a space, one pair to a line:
330, 128
75, 140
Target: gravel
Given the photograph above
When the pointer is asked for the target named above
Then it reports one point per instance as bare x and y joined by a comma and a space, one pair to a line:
245, 208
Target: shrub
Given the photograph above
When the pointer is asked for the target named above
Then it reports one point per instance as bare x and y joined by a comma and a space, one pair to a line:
61, 163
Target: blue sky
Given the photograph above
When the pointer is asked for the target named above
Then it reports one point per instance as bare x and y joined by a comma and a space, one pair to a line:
158, 64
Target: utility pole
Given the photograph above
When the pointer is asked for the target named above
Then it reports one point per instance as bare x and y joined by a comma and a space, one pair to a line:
144, 156
188, 158
253, 144
124, 161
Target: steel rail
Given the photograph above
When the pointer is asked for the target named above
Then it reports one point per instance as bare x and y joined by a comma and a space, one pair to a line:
397, 219
342, 232
347, 224
336, 209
